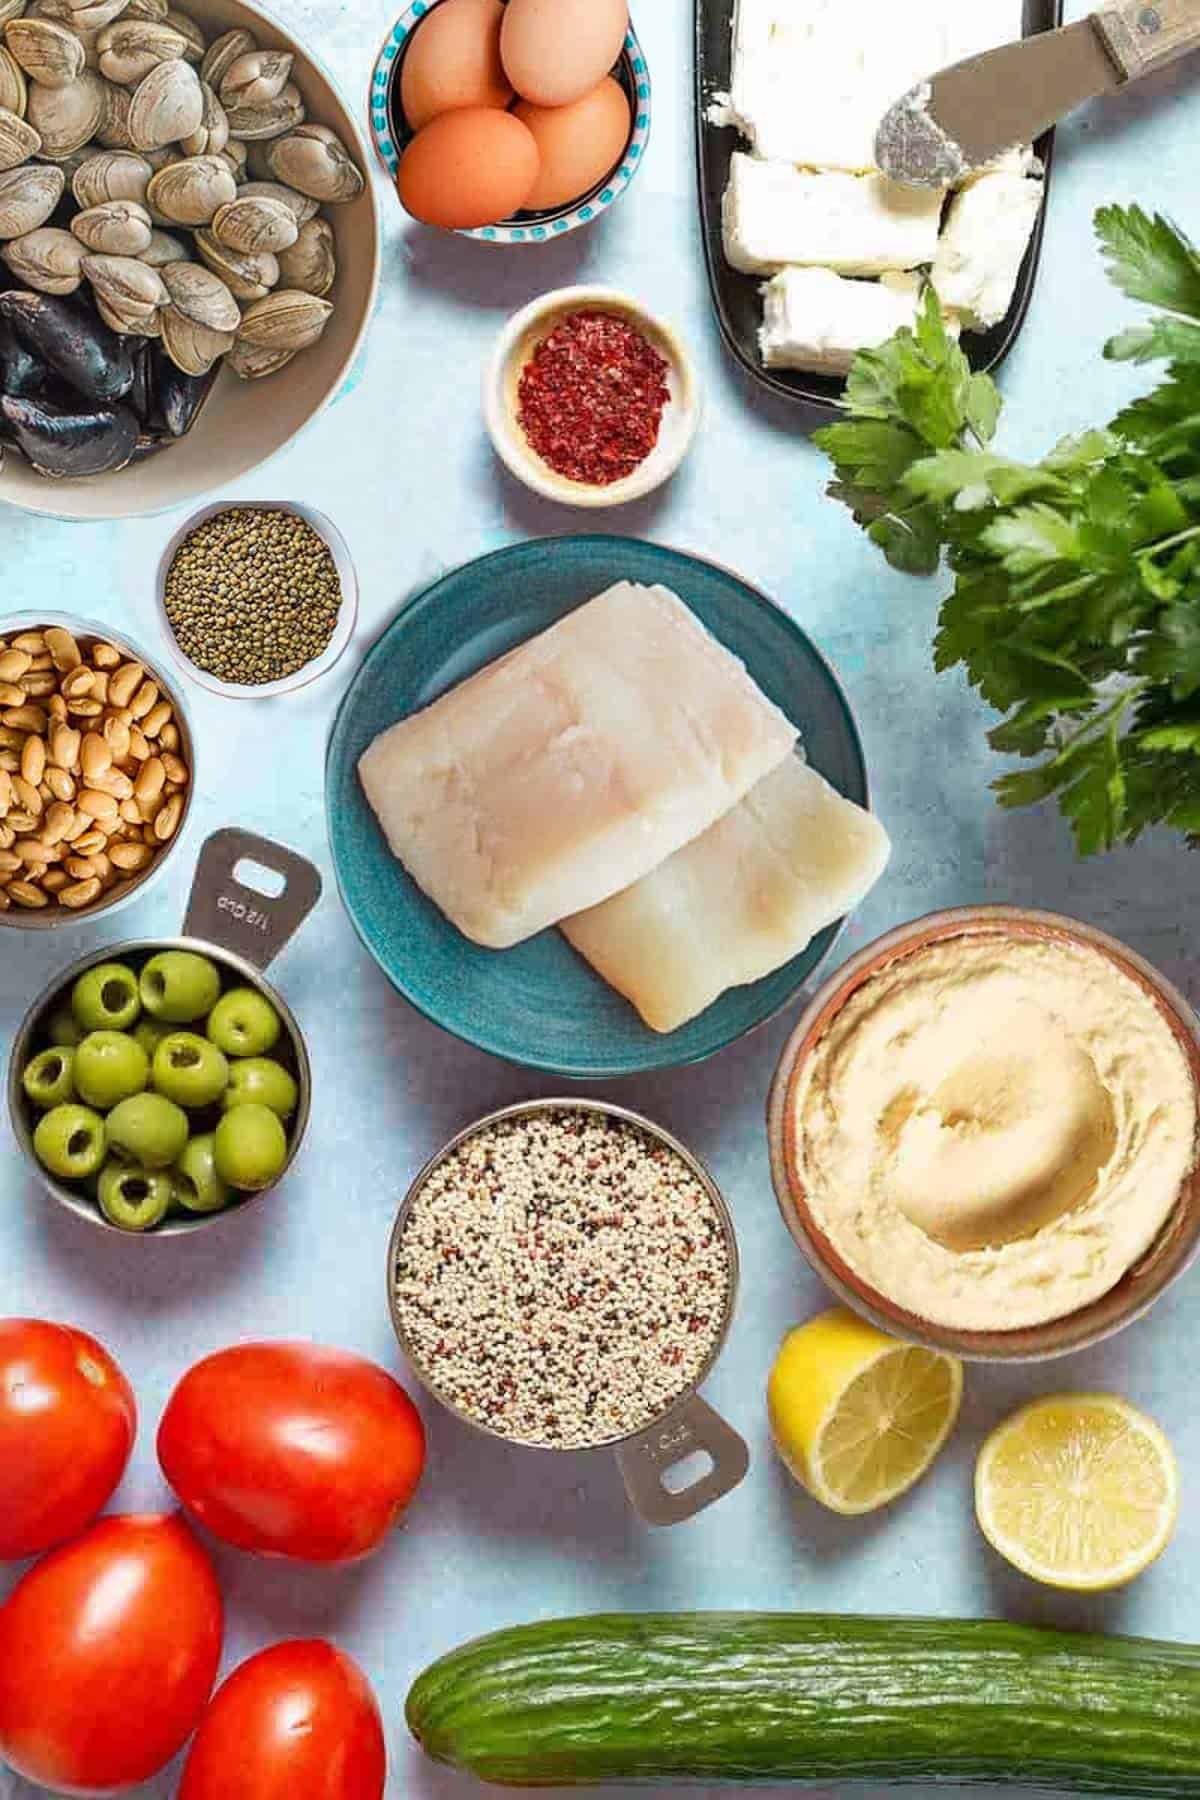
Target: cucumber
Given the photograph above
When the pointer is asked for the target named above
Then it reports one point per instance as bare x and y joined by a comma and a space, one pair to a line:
775, 1697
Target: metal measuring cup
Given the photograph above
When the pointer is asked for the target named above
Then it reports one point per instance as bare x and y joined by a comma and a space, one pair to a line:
240, 929
688, 1424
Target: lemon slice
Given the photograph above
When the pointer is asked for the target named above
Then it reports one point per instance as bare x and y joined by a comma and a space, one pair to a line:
1078, 1491
856, 1416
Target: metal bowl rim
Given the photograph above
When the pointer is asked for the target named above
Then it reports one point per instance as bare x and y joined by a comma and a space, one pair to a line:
526, 1109
79, 1204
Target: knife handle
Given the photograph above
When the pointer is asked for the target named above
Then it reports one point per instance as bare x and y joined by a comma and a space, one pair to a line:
1144, 35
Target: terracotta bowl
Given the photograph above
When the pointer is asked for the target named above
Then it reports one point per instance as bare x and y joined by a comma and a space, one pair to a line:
243, 422
1136, 1292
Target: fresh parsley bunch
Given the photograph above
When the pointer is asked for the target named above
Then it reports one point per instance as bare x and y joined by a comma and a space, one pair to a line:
1076, 604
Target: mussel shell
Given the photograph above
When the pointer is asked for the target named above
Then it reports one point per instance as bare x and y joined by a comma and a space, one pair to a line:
71, 340
22, 374
71, 445
175, 398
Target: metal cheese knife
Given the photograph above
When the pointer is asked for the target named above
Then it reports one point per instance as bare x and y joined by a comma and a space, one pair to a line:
977, 109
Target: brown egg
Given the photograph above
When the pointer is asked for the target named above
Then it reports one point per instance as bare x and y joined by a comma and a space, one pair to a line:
454, 60
578, 144
555, 51
467, 168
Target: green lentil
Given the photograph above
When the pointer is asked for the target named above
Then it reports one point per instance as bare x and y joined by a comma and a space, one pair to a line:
253, 596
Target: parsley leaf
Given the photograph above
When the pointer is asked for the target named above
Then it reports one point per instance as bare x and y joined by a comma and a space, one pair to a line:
1075, 606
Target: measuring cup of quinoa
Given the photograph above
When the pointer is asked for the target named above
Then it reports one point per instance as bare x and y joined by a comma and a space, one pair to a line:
96, 771
257, 599
589, 399
563, 1276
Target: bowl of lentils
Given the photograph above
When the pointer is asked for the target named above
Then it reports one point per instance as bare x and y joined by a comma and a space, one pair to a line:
257, 599
562, 1275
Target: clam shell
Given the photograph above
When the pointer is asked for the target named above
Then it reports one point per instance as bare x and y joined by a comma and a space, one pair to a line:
147, 9
202, 297
47, 260
128, 293
248, 274
111, 175
13, 92
256, 77
168, 105
212, 134
18, 141
234, 155
310, 265
188, 29
222, 53
114, 228
191, 347
113, 129
255, 224
11, 9
314, 160
163, 249
84, 21
66, 118
28, 195
189, 192
130, 48
129, 319
270, 120
252, 361
301, 205
48, 53
286, 320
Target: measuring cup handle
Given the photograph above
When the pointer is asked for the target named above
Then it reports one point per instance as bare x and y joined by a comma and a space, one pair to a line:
223, 911
646, 1459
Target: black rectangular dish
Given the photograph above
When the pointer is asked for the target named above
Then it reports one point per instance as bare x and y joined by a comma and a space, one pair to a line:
735, 296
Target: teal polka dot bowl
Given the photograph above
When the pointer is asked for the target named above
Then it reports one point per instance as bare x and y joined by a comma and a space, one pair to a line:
390, 133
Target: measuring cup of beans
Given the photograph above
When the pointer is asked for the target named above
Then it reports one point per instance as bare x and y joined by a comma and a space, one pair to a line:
562, 1276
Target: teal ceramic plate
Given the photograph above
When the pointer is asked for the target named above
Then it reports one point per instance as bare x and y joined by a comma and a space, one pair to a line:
539, 1004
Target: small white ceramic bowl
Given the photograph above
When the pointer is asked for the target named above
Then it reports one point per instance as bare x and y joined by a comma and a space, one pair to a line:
516, 344
347, 613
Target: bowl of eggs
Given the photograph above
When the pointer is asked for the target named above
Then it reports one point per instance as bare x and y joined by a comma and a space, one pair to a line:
511, 121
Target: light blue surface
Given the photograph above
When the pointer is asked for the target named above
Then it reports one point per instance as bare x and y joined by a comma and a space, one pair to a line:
540, 1004
403, 466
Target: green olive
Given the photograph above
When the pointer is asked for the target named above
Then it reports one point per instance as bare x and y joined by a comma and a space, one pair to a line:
64, 1027
260, 1079
109, 1066
47, 1078
243, 1023
190, 1070
147, 1130
179, 986
198, 1187
106, 997
249, 1147
70, 1141
133, 1198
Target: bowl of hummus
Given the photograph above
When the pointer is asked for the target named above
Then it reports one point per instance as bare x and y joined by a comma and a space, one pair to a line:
984, 1133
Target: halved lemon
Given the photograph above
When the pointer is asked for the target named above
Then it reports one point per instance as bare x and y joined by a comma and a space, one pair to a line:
1079, 1491
856, 1416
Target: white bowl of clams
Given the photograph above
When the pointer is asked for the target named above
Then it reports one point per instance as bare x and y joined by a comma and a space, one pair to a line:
189, 250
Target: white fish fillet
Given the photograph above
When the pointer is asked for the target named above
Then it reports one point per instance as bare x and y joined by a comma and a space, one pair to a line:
737, 903
572, 766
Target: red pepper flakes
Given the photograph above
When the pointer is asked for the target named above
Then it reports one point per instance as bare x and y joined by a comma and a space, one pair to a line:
591, 398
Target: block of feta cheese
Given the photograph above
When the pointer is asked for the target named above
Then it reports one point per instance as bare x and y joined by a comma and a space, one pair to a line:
572, 766
987, 233
774, 215
814, 319
811, 79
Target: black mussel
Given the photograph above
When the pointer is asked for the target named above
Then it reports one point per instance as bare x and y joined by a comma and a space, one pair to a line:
21, 374
176, 398
72, 340
71, 444
141, 394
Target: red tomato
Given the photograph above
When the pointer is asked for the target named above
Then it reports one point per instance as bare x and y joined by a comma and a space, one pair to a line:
297, 1722
67, 1424
293, 1450
108, 1651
